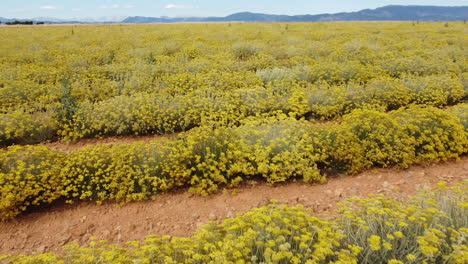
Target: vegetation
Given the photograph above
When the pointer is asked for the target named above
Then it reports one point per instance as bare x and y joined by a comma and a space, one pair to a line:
17, 22
243, 101
156, 79
429, 228
276, 148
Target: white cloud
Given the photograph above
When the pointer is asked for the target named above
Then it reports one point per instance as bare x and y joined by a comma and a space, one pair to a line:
117, 6
50, 7
180, 7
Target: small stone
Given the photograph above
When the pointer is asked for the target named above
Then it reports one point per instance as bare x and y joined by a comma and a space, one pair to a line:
230, 214
79, 230
106, 233
212, 217
338, 193
196, 215
408, 175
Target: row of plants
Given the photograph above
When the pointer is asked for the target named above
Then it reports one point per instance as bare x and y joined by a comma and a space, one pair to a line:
169, 112
431, 227
275, 148
68, 72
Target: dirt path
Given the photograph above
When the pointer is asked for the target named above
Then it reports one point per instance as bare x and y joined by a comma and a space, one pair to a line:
181, 213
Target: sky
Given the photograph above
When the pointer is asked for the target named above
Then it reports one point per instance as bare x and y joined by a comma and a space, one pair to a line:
120, 8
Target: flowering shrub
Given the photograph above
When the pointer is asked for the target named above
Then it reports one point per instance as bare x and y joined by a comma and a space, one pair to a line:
429, 228
20, 127
29, 176
381, 137
460, 111
437, 135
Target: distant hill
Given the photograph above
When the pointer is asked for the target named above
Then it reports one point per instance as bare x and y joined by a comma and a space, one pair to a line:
386, 13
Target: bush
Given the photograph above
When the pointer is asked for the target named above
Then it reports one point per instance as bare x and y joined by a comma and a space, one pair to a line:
460, 111
21, 127
244, 51
435, 90
277, 148
123, 172
429, 228
435, 133
148, 114
29, 177
381, 137
271, 234
270, 75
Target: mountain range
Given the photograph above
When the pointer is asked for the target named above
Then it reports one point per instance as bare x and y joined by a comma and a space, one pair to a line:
386, 13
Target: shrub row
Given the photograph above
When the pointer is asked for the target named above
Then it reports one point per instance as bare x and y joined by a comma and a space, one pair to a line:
276, 148
157, 113
429, 228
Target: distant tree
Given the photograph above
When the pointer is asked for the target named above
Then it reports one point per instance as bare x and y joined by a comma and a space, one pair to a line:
40, 23
17, 22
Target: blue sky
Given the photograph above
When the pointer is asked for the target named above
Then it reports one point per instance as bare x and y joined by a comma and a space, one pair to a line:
113, 8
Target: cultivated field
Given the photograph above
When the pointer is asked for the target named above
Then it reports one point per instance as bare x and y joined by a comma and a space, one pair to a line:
125, 113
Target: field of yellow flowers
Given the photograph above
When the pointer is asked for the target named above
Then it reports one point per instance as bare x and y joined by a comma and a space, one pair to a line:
338, 97
276, 102
73, 82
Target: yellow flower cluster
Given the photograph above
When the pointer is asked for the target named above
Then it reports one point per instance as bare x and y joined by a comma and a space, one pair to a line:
429, 228
276, 147
21, 127
29, 176
367, 232
461, 112
75, 82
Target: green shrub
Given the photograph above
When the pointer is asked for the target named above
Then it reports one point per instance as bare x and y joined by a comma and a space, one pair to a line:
277, 148
244, 51
270, 75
